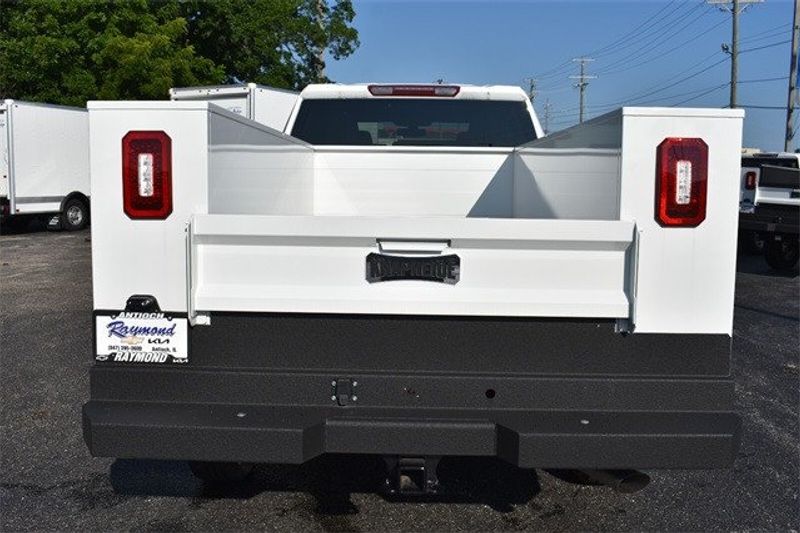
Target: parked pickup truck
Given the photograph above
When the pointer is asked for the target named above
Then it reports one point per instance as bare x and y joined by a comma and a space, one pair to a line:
413, 271
770, 207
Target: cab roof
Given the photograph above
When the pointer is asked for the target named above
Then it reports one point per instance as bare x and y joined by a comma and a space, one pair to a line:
362, 90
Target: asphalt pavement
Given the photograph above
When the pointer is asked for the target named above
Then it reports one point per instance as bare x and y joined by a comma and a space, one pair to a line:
48, 480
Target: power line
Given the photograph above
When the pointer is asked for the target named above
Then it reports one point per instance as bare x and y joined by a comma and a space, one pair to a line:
644, 92
673, 84
778, 107
640, 29
661, 55
771, 45
660, 87
713, 89
661, 24
770, 35
762, 80
660, 37
694, 94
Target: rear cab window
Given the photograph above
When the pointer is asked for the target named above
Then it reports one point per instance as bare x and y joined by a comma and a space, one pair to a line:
758, 162
414, 122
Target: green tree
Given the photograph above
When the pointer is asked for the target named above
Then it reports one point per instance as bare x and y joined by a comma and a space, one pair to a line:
70, 51
274, 42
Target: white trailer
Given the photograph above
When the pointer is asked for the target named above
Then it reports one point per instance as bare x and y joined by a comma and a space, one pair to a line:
415, 272
44, 162
266, 105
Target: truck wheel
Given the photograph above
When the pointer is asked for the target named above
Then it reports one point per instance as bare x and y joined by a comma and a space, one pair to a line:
219, 473
75, 215
782, 255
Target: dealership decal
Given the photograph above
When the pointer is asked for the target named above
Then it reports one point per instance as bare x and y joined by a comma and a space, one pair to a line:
128, 337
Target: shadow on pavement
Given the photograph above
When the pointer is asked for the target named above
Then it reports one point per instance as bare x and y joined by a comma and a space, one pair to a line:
756, 264
24, 224
331, 480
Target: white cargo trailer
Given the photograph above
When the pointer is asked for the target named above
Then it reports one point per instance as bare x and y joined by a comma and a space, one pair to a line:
266, 105
44, 162
413, 272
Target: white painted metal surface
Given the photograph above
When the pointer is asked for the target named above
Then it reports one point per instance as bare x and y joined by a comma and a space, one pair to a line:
266, 105
44, 155
279, 225
4, 155
686, 276
316, 264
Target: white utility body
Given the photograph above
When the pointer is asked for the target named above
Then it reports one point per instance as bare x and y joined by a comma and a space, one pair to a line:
601, 257
266, 105
769, 205
44, 161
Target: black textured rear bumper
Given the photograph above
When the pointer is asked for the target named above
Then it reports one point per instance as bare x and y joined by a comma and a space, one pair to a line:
536, 393
554, 439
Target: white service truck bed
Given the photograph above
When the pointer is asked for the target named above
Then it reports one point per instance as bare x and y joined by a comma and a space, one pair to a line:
526, 302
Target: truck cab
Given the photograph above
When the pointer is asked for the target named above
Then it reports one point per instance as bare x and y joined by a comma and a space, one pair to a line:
413, 271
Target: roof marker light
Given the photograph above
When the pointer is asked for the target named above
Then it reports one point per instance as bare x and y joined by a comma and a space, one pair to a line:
414, 90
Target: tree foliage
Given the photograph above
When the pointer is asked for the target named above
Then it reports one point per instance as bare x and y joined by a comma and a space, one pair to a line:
70, 51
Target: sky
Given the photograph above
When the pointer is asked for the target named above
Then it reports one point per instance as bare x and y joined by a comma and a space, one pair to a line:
647, 52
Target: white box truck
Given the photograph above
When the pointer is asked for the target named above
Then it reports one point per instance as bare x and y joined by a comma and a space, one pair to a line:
414, 271
44, 162
266, 105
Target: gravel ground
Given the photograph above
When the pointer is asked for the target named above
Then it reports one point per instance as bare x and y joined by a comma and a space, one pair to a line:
48, 481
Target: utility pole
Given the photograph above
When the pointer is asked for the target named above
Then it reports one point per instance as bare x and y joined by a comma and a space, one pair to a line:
582, 82
735, 8
531, 88
793, 96
548, 107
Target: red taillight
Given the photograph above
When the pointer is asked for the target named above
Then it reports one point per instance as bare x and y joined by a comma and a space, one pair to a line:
750, 180
413, 90
681, 183
147, 174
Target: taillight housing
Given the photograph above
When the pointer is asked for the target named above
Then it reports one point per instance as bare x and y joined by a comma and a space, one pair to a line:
750, 180
681, 182
147, 175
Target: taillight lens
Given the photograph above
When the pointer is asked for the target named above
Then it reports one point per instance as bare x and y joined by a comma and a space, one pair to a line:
413, 90
681, 183
147, 174
750, 180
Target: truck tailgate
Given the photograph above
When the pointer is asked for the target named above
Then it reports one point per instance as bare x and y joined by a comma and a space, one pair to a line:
508, 267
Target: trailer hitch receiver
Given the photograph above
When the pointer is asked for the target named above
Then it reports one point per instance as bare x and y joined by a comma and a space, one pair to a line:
411, 476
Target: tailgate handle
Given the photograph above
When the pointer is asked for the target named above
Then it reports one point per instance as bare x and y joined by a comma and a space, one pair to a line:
412, 247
